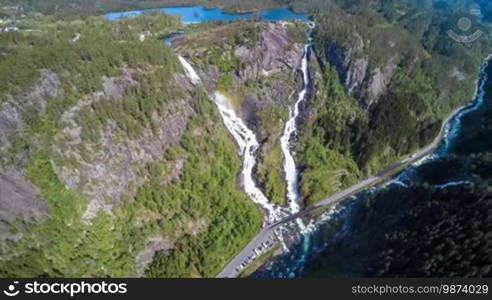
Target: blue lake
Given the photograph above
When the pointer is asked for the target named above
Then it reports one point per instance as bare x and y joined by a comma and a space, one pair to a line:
197, 14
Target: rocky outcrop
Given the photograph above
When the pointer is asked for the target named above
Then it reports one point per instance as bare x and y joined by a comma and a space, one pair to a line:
31, 104
273, 53
110, 169
19, 200
379, 80
367, 82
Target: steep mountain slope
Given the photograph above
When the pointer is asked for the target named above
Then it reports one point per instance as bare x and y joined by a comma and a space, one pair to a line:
390, 75
111, 159
112, 163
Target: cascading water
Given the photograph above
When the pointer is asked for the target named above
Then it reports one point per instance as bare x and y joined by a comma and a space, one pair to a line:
190, 72
248, 146
247, 143
290, 169
336, 223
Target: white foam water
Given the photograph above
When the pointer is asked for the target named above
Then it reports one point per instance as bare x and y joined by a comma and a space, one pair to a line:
454, 183
290, 170
190, 72
247, 143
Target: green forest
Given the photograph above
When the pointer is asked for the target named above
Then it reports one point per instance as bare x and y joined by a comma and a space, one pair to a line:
432, 232
119, 84
63, 243
348, 136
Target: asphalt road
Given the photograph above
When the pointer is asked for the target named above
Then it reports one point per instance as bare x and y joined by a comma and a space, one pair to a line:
231, 270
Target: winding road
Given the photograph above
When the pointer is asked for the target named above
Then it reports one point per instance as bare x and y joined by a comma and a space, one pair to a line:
268, 233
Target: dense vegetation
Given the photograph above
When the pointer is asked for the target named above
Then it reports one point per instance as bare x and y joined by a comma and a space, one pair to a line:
428, 229
425, 231
353, 134
200, 219
213, 46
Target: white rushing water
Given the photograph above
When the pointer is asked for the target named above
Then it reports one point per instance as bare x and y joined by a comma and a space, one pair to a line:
290, 170
190, 72
247, 143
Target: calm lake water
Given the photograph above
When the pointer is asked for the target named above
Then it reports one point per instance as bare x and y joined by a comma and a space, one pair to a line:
197, 14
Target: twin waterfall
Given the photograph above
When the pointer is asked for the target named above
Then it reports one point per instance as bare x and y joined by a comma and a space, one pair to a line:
248, 144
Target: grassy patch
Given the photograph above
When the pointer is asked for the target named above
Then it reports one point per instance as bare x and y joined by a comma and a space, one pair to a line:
270, 172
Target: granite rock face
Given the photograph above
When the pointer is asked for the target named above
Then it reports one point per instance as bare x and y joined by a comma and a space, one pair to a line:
19, 200
366, 81
110, 169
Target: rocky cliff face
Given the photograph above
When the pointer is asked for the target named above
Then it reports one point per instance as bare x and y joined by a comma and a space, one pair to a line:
262, 71
19, 199
366, 81
17, 110
256, 65
110, 169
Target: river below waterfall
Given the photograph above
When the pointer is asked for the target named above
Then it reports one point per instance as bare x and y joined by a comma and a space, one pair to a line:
340, 243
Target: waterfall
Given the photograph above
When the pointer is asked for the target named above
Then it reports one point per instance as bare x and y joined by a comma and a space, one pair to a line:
290, 169
190, 72
247, 143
